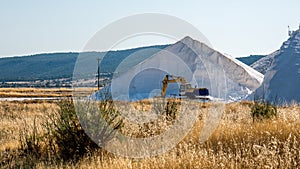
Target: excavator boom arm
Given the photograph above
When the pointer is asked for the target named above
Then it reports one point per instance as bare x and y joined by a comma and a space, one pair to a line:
166, 81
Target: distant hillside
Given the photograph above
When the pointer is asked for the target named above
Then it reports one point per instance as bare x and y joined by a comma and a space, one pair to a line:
61, 65
41, 66
250, 59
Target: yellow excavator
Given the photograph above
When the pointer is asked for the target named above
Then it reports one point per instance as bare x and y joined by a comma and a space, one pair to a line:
186, 89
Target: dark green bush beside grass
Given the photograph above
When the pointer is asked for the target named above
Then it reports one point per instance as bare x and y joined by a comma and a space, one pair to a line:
171, 109
64, 138
65, 133
100, 120
263, 109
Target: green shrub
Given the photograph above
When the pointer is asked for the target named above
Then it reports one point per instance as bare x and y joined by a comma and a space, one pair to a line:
101, 120
171, 109
65, 135
263, 110
64, 138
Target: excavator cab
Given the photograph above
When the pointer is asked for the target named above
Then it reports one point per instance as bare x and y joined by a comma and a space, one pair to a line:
185, 87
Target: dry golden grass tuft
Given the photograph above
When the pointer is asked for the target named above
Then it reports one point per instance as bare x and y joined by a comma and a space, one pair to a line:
15, 116
237, 142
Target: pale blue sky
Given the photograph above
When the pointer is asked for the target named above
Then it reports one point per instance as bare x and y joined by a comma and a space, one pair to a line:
235, 27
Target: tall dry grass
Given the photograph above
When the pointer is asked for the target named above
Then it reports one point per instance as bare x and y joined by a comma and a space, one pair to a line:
237, 142
16, 116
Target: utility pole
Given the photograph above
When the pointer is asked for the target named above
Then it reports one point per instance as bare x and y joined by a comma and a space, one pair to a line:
98, 59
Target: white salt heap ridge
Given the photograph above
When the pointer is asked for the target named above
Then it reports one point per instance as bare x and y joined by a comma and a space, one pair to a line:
263, 64
282, 77
224, 76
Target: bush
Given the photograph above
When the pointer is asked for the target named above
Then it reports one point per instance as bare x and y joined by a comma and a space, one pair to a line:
100, 119
64, 137
263, 109
171, 109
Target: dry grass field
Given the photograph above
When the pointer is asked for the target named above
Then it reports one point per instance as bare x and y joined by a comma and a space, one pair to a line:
237, 142
35, 92
42, 92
